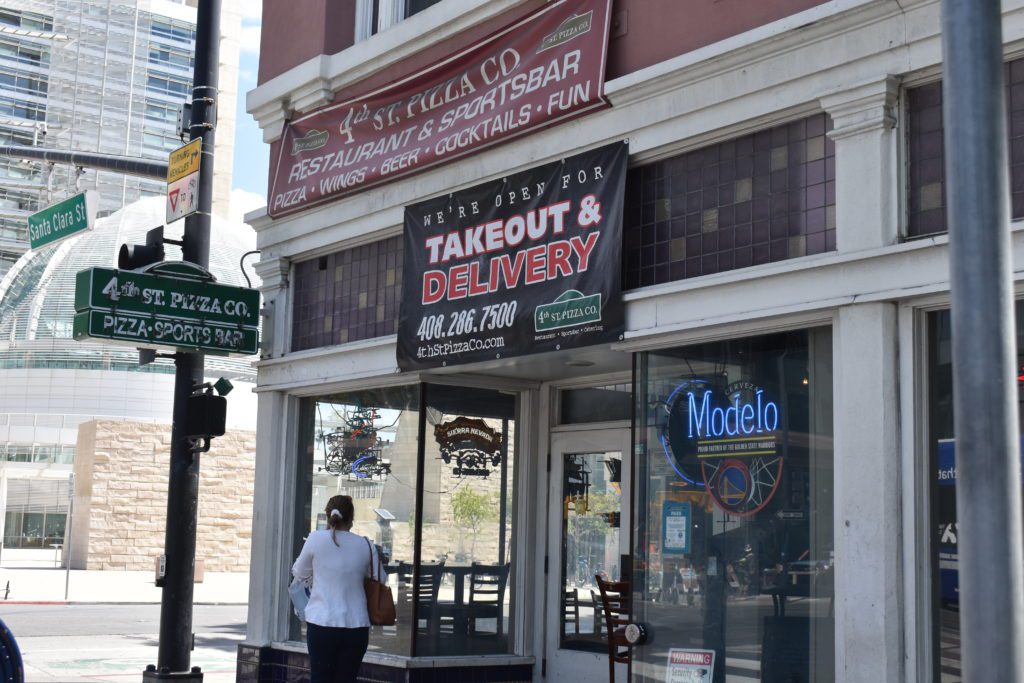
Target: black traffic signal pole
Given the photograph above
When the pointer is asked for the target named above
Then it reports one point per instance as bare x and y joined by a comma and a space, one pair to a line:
175, 648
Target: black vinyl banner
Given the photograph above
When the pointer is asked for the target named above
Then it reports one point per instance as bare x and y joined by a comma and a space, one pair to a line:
521, 265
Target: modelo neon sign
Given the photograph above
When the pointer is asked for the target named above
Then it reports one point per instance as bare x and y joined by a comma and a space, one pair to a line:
726, 441
755, 417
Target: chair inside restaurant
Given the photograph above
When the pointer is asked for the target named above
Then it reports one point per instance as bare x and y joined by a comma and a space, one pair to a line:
487, 599
616, 604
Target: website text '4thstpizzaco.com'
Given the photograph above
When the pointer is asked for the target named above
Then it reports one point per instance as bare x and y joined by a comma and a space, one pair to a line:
448, 348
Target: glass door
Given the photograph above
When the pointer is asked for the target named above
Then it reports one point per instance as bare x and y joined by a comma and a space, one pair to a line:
588, 536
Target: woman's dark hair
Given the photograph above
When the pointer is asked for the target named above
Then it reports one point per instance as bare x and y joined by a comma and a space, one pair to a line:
340, 512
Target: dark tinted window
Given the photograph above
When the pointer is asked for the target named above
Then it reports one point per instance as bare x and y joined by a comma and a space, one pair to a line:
768, 196
926, 178
348, 295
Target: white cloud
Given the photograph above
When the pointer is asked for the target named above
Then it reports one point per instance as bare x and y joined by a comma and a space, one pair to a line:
250, 40
244, 201
252, 10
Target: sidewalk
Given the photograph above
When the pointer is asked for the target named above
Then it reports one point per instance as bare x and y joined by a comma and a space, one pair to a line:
111, 587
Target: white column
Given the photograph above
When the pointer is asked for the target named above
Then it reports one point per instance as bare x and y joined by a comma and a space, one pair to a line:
276, 458
276, 332
867, 170
868, 603
273, 519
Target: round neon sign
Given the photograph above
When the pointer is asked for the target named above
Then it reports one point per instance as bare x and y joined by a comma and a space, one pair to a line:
726, 441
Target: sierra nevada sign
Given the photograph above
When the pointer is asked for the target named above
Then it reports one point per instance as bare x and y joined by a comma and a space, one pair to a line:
542, 69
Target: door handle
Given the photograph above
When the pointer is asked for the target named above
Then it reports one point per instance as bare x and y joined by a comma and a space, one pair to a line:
635, 634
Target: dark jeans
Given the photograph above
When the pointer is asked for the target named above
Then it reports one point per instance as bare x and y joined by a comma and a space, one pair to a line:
335, 653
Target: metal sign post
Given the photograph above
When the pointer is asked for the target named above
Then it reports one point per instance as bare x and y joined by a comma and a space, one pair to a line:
174, 654
988, 496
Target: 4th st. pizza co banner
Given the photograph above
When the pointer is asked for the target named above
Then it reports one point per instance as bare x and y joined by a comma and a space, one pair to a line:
526, 264
547, 67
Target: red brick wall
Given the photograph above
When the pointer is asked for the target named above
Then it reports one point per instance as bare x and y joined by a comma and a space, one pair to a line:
657, 30
295, 32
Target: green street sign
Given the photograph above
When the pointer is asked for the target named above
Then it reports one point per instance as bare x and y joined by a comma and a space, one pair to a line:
62, 220
176, 296
149, 331
170, 305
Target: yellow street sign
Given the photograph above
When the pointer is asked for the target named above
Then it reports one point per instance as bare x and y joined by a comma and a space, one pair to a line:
184, 160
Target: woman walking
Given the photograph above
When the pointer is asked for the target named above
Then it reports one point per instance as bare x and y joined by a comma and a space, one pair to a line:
337, 622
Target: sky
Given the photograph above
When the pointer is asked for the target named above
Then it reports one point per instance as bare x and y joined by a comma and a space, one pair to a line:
249, 175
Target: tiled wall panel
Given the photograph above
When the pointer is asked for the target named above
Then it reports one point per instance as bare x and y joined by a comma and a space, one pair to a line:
926, 175
348, 295
764, 197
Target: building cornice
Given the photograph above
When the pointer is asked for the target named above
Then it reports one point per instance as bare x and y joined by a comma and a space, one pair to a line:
862, 107
273, 272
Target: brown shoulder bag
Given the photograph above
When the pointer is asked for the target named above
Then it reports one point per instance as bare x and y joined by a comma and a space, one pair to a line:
380, 603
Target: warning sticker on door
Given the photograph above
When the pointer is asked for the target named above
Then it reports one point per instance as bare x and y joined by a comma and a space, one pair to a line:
690, 666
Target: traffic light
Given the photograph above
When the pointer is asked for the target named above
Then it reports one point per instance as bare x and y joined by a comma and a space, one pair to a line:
135, 256
206, 416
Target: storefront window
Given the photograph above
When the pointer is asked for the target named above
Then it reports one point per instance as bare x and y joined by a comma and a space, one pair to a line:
734, 567
33, 529
12, 529
364, 444
53, 529
465, 587
942, 452
36, 510
450, 574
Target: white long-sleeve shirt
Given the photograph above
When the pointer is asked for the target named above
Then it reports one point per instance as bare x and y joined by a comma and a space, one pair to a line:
337, 597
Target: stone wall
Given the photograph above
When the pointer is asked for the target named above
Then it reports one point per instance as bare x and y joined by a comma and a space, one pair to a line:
120, 498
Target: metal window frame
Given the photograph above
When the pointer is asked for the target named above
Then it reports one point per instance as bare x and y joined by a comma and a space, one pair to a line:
920, 635
389, 13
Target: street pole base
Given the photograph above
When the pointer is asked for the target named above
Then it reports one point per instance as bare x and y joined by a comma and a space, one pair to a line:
151, 675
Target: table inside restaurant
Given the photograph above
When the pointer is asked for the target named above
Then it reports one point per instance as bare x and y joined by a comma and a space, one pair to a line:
451, 605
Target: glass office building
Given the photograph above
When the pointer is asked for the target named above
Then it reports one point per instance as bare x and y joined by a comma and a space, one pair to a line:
53, 383
97, 76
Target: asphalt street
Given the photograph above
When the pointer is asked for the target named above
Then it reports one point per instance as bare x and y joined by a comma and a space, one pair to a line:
114, 643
